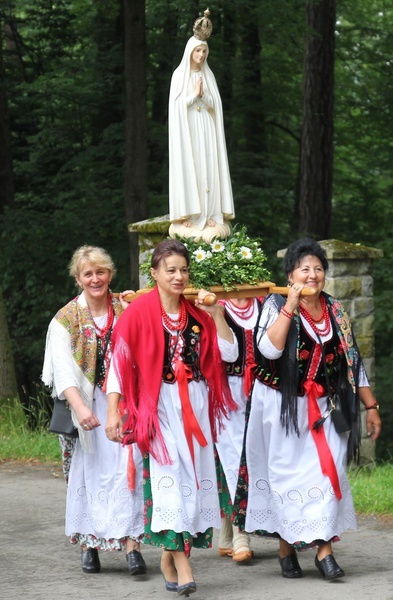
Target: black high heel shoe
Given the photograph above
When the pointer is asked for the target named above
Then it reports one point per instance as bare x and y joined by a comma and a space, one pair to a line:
170, 586
186, 589
328, 567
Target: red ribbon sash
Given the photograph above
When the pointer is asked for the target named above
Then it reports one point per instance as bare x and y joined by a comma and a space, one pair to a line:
328, 467
249, 374
191, 425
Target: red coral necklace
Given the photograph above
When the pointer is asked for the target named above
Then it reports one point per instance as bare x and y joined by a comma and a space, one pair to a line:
109, 322
175, 324
244, 312
312, 322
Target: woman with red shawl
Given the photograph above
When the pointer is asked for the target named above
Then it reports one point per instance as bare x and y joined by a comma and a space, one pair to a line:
167, 377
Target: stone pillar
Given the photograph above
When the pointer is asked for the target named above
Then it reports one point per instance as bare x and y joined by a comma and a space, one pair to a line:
350, 280
151, 232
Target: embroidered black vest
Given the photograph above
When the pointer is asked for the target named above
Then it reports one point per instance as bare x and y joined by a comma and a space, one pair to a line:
190, 351
237, 368
268, 371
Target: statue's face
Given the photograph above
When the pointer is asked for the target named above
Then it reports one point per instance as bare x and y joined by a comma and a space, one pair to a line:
198, 56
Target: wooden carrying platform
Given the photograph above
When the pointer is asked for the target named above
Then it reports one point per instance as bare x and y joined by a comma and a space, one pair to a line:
262, 288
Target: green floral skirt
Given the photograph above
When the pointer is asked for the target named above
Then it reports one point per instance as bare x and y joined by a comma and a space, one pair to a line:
223, 491
168, 539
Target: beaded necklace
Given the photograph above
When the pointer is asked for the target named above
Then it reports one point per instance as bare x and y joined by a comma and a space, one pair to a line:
242, 312
175, 324
103, 344
101, 333
312, 322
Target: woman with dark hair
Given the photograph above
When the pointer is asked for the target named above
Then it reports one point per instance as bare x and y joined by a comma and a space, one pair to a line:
292, 480
167, 377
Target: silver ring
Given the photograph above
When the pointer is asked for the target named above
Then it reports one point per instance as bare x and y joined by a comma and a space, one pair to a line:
86, 426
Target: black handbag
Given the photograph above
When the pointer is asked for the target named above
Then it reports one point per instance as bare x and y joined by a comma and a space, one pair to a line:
334, 407
337, 415
61, 420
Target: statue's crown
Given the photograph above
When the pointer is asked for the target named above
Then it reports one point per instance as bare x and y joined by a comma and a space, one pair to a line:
203, 26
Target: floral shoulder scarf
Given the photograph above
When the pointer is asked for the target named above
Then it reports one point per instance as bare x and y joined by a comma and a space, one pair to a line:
75, 317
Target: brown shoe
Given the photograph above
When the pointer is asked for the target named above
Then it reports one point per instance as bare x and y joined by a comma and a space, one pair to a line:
225, 552
243, 555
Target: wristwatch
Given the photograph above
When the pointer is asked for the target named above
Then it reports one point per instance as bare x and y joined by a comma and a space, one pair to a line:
375, 405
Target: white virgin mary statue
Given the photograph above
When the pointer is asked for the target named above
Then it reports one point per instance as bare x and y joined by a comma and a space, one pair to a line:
200, 190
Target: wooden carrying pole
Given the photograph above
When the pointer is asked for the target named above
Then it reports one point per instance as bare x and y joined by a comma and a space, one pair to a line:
242, 291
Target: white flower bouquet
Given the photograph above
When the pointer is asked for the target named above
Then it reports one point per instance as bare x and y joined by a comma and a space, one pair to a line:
236, 260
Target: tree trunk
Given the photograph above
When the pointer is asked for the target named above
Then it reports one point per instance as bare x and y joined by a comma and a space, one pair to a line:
8, 387
6, 178
135, 167
251, 106
316, 162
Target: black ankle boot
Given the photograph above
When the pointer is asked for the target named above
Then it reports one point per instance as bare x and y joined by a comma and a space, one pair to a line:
90, 561
290, 567
328, 567
136, 564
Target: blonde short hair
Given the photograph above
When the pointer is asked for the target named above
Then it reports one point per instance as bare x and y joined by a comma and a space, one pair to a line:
93, 254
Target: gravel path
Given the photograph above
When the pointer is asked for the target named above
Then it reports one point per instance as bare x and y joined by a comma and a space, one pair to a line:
38, 563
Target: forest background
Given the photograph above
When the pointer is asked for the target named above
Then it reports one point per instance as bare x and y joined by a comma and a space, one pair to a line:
84, 152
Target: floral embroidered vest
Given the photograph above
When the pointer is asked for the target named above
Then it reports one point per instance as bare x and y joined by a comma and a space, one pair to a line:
268, 371
186, 348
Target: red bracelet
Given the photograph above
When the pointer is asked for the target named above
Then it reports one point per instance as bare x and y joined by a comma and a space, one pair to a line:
375, 405
286, 313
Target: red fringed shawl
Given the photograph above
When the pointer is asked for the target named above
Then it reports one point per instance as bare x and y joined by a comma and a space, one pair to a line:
138, 344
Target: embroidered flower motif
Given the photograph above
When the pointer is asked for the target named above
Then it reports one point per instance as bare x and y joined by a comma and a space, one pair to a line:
194, 342
329, 358
242, 471
88, 332
304, 354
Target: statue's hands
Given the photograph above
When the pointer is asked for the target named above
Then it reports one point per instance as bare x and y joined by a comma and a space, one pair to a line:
199, 87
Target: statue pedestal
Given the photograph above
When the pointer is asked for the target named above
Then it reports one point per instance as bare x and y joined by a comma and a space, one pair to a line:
207, 234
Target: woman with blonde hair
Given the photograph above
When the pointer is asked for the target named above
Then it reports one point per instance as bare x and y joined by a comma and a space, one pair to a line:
101, 512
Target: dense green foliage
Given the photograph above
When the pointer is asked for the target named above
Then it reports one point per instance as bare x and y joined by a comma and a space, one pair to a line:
23, 441
236, 260
65, 88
